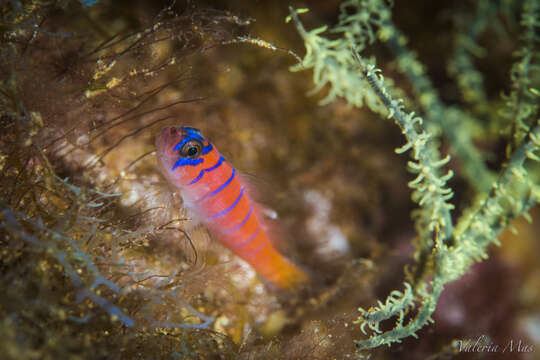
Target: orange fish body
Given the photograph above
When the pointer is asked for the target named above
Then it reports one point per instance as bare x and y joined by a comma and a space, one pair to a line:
213, 191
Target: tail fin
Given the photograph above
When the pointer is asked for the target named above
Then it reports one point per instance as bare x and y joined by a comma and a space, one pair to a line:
284, 274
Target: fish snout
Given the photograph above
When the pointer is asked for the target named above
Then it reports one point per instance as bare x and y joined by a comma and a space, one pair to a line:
167, 139
170, 133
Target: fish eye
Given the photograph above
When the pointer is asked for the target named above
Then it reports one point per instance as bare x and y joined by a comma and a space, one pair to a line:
191, 149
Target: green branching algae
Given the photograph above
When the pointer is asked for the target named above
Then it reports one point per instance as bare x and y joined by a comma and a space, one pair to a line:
445, 249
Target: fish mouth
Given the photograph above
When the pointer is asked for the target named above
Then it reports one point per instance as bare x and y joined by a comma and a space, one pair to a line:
165, 143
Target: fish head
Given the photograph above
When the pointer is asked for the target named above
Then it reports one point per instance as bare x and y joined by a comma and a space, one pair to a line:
181, 152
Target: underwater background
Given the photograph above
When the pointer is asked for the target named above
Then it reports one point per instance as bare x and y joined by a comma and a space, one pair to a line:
99, 260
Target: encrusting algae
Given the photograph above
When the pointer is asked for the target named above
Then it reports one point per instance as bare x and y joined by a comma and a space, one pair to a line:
100, 257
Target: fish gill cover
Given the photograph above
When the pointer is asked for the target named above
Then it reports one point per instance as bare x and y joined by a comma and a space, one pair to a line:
100, 260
